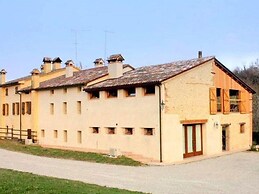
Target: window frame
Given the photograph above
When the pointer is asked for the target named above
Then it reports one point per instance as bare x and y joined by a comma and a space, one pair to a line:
148, 131
150, 90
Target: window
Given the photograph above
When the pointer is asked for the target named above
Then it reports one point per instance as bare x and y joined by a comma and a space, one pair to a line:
94, 95
51, 92
17, 108
150, 90
65, 90
234, 100
5, 110
23, 108
148, 131
79, 109
111, 130
95, 129
55, 133
242, 127
65, 135
42, 133
51, 108
128, 131
13, 108
130, 92
28, 108
79, 89
219, 107
16, 89
112, 93
65, 107
79, 136
6, 91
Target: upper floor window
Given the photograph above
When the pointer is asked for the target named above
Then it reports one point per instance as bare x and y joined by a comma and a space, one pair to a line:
16, 89
112, 93
94, 95
51, 92
79, 88
51, 108
130, 92
234, 99
79, 107
150, 89
6, 91
5, 109
219, 100
28, 108
65, 90
242, 127
128, 131
148, 131
111, 130
65, 107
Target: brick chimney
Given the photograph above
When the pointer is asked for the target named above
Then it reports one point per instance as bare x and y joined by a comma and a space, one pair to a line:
46, 67
115, 66
99, 62
69, 68
56, 63
2, 76
35, 78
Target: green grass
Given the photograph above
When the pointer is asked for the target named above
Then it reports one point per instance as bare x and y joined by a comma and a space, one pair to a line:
66, 154
19, 182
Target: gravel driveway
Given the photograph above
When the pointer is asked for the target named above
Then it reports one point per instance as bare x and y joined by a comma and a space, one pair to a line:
236, 173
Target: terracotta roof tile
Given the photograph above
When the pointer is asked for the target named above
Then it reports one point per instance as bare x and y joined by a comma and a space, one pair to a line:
149, 74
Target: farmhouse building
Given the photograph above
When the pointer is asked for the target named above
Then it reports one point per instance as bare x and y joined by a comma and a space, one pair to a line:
163, 113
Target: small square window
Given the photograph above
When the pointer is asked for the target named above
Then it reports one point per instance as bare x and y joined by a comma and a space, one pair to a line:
148, 131
55, 133
111, 130
16, 89
51, 92
6, 91
242, 127
65, 90
42, 133
79, 88
128, 131
95, 129
112, 93
94, 95
150, 90
65, 135
130, 92
79, 137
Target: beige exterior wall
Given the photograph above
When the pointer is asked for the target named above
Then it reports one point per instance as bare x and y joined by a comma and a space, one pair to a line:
137, 112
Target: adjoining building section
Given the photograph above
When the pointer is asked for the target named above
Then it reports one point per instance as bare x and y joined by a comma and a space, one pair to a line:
163, 113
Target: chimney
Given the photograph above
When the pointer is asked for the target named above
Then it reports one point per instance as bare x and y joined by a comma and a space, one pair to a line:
69, 68
115, 66
99, 62
2, 76
200, 54
56, 62
35, 78
46, 67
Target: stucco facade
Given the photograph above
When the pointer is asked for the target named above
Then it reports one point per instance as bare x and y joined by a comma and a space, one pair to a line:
164, 113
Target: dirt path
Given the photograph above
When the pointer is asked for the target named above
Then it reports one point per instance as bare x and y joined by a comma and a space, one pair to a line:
236, 173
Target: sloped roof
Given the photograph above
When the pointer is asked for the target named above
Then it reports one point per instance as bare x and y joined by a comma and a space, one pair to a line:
150, 74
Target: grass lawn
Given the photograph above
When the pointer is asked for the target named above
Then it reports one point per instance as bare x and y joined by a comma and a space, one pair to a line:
66, 154
19, 182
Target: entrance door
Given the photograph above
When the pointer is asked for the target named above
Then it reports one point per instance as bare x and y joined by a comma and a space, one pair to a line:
192, 136
225, 138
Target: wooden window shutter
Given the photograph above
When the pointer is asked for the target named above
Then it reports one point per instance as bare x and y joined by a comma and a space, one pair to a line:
3, 109
243, 103
23, 108
213, 101
7, 109
226, 103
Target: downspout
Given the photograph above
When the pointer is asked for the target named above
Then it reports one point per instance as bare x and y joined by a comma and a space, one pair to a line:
160, 124
20, 111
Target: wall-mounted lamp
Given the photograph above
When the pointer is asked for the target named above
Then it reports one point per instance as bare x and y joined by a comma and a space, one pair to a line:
162, 105
216, 124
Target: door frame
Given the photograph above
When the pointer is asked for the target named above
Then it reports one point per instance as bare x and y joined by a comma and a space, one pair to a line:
194, 153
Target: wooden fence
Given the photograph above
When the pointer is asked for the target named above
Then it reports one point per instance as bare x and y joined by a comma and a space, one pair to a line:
11, 133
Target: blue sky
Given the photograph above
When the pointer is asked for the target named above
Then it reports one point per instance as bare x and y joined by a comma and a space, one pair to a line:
145, 32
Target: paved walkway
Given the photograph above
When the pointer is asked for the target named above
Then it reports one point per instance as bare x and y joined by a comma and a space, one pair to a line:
236, 173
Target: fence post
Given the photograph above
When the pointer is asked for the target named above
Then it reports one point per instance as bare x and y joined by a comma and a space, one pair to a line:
12, 133
28, 133
7, 132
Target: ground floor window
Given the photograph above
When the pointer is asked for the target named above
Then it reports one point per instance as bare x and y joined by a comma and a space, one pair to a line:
192, 140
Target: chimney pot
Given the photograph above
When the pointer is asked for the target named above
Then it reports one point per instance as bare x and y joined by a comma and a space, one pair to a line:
69, 68
46, 64
2, 76
99, 62
200, 54
115, 66
56, 63
35, 78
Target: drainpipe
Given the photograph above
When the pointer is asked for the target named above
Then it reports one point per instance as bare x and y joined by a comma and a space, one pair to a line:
160, 124
20, 111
